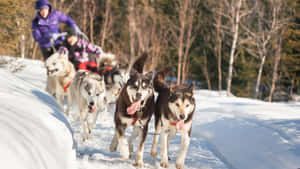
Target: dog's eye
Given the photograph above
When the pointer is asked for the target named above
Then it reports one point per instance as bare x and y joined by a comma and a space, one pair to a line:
144, 85
89, 93
97, 94
187, 105
177, 104
54, 64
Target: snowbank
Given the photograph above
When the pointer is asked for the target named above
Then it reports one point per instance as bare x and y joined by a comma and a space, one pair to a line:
34, 133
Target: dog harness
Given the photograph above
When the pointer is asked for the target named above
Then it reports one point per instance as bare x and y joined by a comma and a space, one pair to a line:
66, 86
134, 119
108, 68
88, 66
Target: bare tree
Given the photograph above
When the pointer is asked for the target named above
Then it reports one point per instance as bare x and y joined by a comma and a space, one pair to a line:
191, 36
267, 26
66, 7
92, 11
84, 19
218, 48
106, 21
275, 69
132, 27
205, 71
182, 34
234, 15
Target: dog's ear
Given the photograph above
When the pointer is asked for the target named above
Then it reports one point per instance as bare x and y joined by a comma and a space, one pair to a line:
149, 75
172, 86
63, 51
133, 73
140, 62
191, 87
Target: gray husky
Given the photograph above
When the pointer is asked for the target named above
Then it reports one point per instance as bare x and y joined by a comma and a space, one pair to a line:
134, 107
174, 111
87, 96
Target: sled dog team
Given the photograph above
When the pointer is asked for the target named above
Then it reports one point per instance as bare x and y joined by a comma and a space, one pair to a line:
89, 91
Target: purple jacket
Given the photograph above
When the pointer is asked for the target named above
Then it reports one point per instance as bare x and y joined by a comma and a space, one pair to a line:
42, 28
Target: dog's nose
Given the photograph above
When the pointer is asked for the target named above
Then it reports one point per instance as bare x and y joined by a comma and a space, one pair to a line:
92, 103
181, 116
138, 96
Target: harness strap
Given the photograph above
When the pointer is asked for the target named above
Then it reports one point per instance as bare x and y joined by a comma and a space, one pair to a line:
108, 68
134, 119
87, 65
66, 86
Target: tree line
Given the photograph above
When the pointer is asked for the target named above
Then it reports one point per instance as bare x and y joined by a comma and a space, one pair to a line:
249, 48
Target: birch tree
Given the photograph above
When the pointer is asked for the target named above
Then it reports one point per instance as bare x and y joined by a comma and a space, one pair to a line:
234, 13
267, 26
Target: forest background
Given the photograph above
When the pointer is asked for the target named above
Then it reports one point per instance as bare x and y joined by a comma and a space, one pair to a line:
250, 48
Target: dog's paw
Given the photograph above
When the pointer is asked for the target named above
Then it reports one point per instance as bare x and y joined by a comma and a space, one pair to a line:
130, 154
179, 165
139, 164
112, 148
67, 112
164, 164
153, 154
124, 155
84, 139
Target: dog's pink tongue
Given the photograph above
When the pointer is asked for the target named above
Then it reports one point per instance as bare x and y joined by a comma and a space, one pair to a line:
92, 110
133, 107
180, 124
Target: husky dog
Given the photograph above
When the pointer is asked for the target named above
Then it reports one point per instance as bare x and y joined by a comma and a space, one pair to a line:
174, 110
115, 74
134, 107
60, 73
87, 95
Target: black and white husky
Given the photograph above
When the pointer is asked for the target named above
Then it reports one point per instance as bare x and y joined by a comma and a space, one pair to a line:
174, 111
134, 107
87, 96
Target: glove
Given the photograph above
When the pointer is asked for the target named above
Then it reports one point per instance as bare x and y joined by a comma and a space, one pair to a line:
54, 36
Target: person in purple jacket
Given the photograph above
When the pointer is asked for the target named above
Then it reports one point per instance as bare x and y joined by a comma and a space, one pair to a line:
45, 26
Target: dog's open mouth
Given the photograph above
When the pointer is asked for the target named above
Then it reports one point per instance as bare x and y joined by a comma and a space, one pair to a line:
180, 124
92, 109
51, 71
134, 107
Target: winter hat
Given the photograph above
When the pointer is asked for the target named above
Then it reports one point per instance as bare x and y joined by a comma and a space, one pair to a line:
71, 32
39, 4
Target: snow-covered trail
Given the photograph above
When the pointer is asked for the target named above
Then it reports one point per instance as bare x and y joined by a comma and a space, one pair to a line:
247, 133
228, 133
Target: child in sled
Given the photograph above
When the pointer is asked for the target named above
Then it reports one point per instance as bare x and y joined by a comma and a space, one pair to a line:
82, 54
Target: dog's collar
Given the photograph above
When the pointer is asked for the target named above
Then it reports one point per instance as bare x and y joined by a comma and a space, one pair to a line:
66, 86
178, 124
175, 123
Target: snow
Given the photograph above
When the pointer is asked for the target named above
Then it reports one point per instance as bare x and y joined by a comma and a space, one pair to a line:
228, 132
